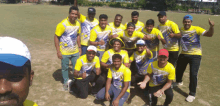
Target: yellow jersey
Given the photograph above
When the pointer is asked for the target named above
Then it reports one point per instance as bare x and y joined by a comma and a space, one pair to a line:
97, 34
153, 44
138, 26
107, 56
29, 103
159, 75
172, 44
115, 29
190, 41
86, 27
67, 33
123, 74
83, 65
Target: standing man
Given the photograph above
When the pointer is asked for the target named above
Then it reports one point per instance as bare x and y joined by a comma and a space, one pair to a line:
88, 70
117, 92
160, 75
87, 23
171, 34
16, 75
155, 35
134, 19
99, 35
117, 26
191, 53
67, 43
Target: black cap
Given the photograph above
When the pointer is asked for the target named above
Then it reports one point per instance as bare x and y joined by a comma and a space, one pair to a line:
163, 13
91, 10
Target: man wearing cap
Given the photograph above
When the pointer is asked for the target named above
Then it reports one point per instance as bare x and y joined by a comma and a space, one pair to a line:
99, 35
156, 36
120, 76
87, 23
134, 19
160, 75
117, 26
67, 43
191, 52
16, 75
87, 70
171, 34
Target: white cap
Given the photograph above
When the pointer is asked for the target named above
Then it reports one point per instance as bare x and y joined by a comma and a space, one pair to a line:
13, 51
91, 47
140, 42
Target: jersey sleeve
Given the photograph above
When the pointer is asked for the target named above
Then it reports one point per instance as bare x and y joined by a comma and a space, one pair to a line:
140, 34
151, 55
171, 75
127, 75
79, 30
175, 28
93, 35
149, 69
126, 58
78, 65
200, 31
105, 57
132, 57
97, 64
109, 73
59, 29
82, 18
160, 34
125, 25
120, 34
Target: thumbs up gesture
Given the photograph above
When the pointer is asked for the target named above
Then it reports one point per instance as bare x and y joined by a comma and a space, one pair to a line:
211, 23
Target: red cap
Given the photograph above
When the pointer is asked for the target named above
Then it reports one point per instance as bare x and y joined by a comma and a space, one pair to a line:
164, 52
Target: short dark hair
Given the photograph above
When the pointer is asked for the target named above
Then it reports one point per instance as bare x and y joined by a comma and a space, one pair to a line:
130, 24
118, 15
150, 22
73, 8
103, 16
116, 56
134, 13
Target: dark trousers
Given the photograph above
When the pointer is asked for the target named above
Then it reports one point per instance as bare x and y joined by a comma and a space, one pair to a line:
173, 56
83, 85
194, 63
84, 49
168, 93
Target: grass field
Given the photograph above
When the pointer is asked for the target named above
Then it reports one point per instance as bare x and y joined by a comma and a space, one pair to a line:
35, 26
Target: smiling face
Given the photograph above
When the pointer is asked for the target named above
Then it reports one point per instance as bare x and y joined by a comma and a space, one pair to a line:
140, 48
118, 20
117, 46
73, 15
149, 28
14, 84
187, 23
103, 22
134, 18
90, 55
162, 59
162, 19
91, 16
130, 30
117, 63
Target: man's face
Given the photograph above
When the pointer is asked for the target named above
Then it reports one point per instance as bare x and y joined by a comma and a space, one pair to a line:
118, 20
90, 55
149, 28
14, 85
130, 30
162, 59
134, 18
140, 48
91, 16
187, 23
162, 19
73, 15
117, 63
117, 46
103, 22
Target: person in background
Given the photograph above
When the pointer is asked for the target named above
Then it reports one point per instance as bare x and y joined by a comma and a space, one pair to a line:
117, 26
134, 19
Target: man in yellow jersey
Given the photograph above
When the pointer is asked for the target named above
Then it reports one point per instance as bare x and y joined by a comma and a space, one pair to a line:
87, 23
117, 26
99, 35
117, 92
191, 53
156, 36
134, 18
16, 75
67, 43
171, 34
87, 70
160, 75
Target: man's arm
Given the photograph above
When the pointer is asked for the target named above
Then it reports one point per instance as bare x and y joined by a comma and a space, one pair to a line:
76, 74
178, 35
75, 3
107, 87
165, 87
56, 41
147, 37
112, 36
102, 42
98, 71
148, 53
105, 65
143, 83
79, 44
210, 32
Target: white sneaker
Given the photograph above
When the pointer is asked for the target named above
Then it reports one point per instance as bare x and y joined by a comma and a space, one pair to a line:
190, 98
69, 82
177, 84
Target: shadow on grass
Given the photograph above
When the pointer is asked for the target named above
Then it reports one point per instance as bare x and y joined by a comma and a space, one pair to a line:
101, 102
139, 92
180, 91
57, 75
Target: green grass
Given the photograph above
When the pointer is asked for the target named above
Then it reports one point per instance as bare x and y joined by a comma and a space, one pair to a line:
35, 25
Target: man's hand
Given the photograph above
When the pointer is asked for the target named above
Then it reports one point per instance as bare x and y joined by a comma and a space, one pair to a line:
159, 93
115, 102
114, 36
59, 55
107, 96
80, 51
171, 35
84, 75
148, 37
102, 42
142, 85
211, 23
158, 37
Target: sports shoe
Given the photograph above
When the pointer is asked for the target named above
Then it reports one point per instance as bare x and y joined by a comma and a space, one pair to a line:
67, 85
190, 98
177, 84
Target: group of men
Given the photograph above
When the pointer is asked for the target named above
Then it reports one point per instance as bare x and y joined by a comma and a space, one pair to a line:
103, 53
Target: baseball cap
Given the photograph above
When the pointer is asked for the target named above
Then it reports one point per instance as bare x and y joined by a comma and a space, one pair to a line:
163, 13
140, 42
188, 17
92, 48
164, 52
13, 52
91, 10
116, 39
